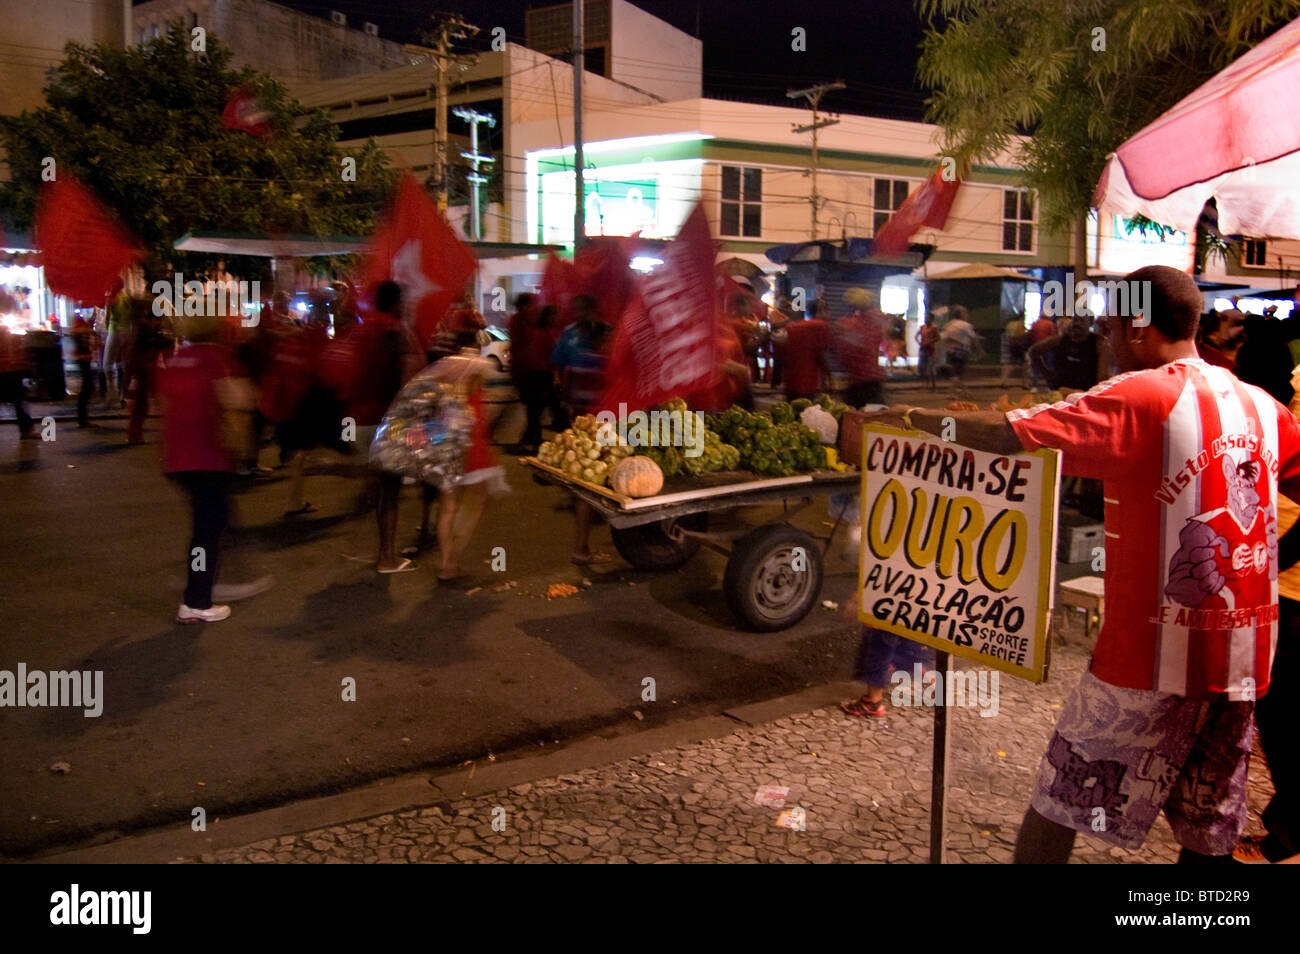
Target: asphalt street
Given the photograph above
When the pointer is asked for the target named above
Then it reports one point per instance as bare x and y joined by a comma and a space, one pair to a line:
249, 712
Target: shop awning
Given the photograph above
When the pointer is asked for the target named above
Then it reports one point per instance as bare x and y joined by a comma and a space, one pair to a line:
306, 246
1236, 138
981, 270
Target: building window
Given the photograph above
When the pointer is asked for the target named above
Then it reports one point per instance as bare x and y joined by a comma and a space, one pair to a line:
1017, 220
742, 201
889, 195
1254, 252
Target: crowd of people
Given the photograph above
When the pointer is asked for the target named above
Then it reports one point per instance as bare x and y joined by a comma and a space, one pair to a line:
328, 375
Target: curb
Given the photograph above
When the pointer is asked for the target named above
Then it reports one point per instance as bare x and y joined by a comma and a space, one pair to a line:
422, 789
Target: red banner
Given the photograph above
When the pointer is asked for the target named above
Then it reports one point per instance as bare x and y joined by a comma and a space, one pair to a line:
667, 341
416, 248
602, 269
83, 247
929, 205
559, 284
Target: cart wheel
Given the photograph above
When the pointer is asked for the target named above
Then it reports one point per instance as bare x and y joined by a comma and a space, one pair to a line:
762, 586
649, 547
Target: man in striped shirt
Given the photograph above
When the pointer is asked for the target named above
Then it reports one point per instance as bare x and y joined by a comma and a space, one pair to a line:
1192, 461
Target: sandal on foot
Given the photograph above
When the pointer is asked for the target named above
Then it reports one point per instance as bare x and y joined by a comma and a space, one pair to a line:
865, 708
405, 566
592, 559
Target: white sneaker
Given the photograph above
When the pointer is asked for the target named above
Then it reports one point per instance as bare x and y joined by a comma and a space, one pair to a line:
213, 614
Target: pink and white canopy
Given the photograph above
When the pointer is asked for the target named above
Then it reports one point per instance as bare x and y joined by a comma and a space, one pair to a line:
1235, 138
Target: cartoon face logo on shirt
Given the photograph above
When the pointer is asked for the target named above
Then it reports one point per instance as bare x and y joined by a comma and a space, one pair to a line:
1217, 546
1243, 496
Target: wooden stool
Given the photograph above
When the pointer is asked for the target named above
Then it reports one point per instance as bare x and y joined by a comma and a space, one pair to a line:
1086, 593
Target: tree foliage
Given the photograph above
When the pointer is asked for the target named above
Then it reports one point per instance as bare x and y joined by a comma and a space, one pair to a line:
1001, 69
142, 128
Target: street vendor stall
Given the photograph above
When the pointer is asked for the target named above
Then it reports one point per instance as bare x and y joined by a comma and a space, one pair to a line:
774, 570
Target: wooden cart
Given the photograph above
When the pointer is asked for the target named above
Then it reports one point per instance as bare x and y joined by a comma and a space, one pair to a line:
774, 570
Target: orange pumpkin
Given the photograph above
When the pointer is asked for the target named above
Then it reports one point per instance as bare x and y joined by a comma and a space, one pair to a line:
637, 477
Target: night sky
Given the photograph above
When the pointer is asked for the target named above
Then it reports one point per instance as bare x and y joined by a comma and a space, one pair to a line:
870, 44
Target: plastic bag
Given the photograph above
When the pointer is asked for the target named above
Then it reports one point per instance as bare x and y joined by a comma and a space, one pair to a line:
823, 422
428, 427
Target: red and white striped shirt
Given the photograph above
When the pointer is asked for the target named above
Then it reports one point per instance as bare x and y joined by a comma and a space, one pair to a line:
1190, 459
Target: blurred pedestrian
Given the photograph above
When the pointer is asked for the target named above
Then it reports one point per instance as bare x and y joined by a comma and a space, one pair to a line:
1264, 358
778, 319
1015, 349
533, 332
1042, 329
579, 359
1077, 359
961, 344
305, 413
858, 340
927, 340
196, 457
387, 355
82, 349
148, 349
14, 363
461, 507
807, 368
730, 382
1218, 338
880, 654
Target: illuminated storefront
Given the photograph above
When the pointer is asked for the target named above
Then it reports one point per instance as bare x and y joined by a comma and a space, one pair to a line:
644, 184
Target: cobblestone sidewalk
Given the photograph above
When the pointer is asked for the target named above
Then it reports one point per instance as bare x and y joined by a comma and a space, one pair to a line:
863, 786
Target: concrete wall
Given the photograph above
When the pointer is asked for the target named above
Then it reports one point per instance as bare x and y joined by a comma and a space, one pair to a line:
33, 38
291, 46
853, 154
652, 55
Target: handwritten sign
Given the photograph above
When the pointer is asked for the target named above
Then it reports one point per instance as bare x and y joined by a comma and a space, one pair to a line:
958, 547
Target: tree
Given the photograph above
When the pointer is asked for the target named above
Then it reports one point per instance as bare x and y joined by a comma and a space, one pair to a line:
142, 128
1079, 77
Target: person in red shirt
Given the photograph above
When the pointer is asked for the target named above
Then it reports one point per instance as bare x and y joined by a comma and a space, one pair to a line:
807, 366
730, 383
388, 355
1044, 329
533, 332
195, 457
858, 339
1192, 461
1221, 338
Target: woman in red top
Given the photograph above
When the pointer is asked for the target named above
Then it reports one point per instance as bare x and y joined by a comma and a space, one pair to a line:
194, 456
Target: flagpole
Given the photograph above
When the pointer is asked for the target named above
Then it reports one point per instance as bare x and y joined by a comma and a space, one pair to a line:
579, 205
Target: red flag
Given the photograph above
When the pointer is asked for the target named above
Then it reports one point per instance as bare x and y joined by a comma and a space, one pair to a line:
83, 247
245, 113
667, 341
928, 205
416, 248
603, 272
559, 284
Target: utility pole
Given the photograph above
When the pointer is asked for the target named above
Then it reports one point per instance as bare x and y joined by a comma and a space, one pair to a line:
473, 117
446, 29
814, 96
579, 188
